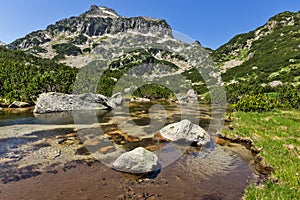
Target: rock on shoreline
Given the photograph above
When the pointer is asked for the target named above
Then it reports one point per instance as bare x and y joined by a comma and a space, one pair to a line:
59, 102
19, 104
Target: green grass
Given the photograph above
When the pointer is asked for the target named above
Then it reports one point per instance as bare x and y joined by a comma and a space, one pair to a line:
274, 131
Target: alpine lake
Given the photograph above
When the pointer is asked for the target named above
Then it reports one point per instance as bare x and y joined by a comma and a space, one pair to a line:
66, 155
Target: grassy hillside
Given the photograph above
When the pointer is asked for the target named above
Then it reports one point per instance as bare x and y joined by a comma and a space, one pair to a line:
271, 52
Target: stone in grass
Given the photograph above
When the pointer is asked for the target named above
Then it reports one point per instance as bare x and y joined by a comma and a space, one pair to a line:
138, 161
185, 131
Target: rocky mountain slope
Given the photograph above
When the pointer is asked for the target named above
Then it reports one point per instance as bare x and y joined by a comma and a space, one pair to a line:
78, 36
269, 53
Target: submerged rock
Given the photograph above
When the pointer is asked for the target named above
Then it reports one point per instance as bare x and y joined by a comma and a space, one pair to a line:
185, 131
58, 102
138, 160
18, 104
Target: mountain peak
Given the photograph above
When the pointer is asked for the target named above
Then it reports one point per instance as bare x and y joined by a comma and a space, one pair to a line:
196, 43
101, 11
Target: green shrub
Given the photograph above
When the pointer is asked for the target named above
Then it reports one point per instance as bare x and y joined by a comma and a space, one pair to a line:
289, 96
24, 76
80, 39
87, 50
253, 103
67, 49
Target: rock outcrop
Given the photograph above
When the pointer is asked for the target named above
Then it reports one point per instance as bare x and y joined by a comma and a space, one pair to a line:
138, 160
58, 102
185, 131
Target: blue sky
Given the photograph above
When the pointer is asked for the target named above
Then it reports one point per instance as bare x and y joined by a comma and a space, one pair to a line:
212, 22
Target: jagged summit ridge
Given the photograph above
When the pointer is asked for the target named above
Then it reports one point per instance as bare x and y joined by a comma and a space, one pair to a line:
76, 37
96, 22
101, 11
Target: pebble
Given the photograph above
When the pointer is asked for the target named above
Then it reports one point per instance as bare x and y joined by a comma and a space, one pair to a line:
291, 147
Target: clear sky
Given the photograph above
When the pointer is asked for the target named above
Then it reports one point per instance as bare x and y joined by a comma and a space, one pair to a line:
212, 22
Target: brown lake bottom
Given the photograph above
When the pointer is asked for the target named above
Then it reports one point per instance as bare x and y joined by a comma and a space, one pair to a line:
220, 175
39, 161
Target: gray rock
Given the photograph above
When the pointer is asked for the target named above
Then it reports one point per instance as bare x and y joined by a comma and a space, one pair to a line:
191, 93
18, 104
186, 130
191, 96
275, 83
138, 160
117, 99
58, 102
127, 90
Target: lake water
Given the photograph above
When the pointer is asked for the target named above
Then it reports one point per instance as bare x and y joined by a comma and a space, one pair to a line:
52, 156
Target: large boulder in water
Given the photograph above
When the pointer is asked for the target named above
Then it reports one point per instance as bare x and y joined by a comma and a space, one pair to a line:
185, 131
138, 160
58, 102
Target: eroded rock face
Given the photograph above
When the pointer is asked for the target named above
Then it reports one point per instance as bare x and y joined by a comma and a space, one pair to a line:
138, 160
58, 102
185, 131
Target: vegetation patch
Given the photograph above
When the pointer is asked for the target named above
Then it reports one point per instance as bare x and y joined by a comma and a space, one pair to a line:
277, 133
24, 76
67, 49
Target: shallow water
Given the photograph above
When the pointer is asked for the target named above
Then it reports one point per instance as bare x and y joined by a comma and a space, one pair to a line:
33, 151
